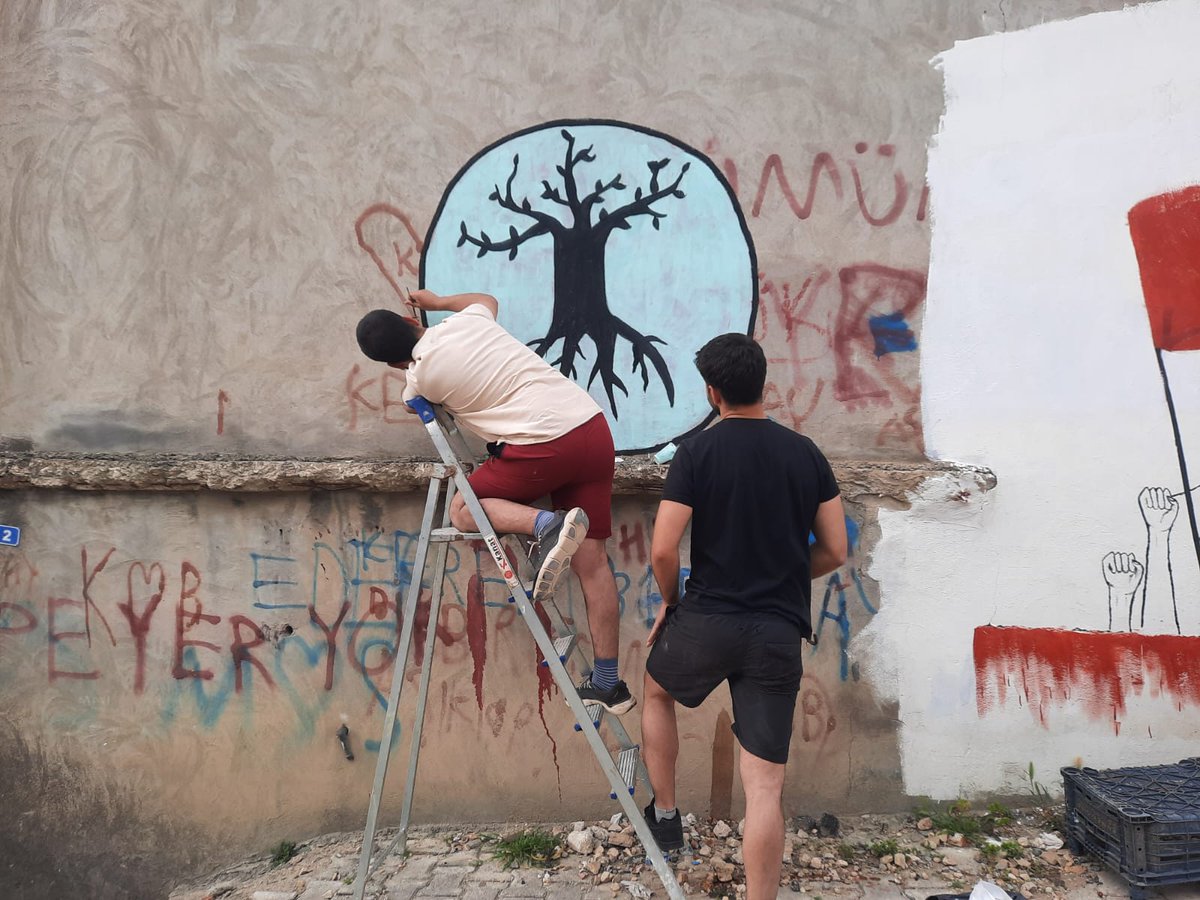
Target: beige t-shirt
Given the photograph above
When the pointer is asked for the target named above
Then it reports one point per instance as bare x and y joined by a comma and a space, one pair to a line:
494, 384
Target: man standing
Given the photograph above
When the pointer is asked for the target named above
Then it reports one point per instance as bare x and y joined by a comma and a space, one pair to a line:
545, 436
754, 491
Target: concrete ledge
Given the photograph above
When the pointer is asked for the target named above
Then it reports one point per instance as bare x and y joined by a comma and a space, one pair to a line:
184, 472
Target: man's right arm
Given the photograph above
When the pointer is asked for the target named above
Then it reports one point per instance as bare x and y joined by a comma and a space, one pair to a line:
829, 528
669, 525
432, 302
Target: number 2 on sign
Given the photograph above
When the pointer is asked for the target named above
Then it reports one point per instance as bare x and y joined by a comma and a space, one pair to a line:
10, 535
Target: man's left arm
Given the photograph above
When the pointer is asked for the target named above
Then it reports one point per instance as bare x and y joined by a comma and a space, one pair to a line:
669, 526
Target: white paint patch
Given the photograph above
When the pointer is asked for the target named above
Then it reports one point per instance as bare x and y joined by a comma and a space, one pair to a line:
1037, 362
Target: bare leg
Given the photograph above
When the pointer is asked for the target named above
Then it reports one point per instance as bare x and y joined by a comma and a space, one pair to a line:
762, 845
660, 749
590, 564
506, 516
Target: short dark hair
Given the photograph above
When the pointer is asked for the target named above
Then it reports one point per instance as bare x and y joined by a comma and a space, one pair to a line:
386, 337
736, 366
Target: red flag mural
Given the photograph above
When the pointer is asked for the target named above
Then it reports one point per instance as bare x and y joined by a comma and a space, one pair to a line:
1166, 238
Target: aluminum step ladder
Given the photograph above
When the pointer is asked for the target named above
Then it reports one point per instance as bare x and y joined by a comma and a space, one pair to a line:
622, 773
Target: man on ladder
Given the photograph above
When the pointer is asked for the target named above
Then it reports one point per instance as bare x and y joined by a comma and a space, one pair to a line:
545, 435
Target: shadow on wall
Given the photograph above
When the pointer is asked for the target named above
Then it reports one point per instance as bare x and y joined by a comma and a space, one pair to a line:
78, 837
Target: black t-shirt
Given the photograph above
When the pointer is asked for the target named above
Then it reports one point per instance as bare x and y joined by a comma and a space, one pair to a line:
754, 487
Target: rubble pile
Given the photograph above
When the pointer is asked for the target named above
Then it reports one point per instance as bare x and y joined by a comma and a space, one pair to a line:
1021, 852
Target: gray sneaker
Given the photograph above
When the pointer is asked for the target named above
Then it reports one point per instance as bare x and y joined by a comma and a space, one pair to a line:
553, 548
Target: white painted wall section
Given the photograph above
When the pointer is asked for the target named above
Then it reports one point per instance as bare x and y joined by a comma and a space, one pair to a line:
1038, 362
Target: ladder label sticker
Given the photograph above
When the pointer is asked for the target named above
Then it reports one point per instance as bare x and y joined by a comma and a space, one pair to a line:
498, 555
10, 535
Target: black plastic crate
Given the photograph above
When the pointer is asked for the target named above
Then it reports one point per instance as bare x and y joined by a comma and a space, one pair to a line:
1143, 821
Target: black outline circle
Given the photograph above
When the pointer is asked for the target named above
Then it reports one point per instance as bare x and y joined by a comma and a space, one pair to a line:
570, 123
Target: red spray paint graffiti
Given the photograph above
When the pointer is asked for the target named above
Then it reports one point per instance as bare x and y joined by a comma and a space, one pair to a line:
1048, 667
871, 293
388, 236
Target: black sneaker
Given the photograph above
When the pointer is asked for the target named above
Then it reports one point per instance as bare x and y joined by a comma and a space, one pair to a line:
616, 700
553, 548
668, 834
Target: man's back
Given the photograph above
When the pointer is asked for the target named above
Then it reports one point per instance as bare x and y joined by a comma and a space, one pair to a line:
754, 487
494, 384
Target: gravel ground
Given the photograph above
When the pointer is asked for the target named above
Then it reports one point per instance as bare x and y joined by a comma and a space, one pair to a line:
878, 857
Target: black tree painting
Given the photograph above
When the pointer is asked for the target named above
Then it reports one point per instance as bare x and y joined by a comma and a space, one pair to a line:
581, 307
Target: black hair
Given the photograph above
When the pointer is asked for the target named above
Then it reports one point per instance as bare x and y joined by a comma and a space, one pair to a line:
736, 366
386, 337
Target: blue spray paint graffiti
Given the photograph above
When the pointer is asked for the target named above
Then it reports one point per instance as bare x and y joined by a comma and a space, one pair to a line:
892, 334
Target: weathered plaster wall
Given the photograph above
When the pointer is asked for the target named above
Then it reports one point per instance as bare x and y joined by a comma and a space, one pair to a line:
194, 655
201, 200
1065, 602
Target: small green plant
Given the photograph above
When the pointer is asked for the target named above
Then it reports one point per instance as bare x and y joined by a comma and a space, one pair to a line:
882, 848
990, 850
958, 820
848, 851
1000, 814
532, 847
1036, 788
1012, 849
282, 852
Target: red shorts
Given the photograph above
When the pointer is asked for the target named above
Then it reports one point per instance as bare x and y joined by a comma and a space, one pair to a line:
575, 470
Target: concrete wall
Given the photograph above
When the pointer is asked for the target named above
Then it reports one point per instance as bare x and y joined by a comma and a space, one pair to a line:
201, 201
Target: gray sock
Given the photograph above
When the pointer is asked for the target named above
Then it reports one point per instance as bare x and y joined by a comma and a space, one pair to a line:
663, 814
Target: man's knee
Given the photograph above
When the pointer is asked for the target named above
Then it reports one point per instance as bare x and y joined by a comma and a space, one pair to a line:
761, 778
590, 558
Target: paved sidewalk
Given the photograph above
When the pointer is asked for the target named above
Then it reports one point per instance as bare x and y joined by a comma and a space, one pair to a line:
324, 868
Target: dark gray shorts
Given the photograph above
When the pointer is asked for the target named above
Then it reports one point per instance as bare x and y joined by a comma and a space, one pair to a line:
760, 657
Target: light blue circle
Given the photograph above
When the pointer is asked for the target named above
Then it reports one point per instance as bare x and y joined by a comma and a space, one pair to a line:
685, 282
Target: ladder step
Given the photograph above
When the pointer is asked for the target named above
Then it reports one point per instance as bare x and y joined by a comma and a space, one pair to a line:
563, 647
627, 762
596, 711
453, 534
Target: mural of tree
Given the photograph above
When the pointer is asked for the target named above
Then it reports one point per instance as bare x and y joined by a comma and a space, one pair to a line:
581, 308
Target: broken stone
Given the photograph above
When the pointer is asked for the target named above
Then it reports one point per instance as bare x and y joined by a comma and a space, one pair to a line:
900, 860
1049, 841
593, 866
723, 870
613, 853
957, 840
925, 824
581, 841
722, 829
620, 839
